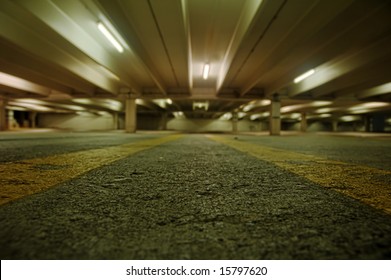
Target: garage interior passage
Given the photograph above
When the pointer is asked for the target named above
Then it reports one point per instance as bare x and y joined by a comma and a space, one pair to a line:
196, 65
195, 129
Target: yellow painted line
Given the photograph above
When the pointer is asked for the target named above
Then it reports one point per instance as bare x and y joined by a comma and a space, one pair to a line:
22, 178
366, 184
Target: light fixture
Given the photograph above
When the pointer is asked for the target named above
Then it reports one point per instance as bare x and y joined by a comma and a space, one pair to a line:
30, 106
110, 37
241, 115
349, 118
205, 72
304, 76
259, 116
200, 105
179, 115
248, 107
226, 116
368, 105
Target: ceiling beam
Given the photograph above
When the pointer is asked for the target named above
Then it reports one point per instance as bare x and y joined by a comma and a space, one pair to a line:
24, 85
336, 37
343, 66
81, 44
375, 73
296, 31
115, 12
185, 15
19, 63
374, 91
22, 36
247, 16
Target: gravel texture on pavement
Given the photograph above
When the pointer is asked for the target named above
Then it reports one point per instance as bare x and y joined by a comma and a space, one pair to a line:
374, 152
18, 146
192, 198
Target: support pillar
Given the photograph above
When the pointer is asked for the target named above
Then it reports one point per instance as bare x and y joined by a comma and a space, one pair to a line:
163, 121
10, 121
115, 121
33, 119
303, 122
130, 115
275, 116
235, 122
3, 115
335, 125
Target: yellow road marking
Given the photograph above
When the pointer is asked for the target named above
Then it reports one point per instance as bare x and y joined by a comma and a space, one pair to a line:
22, 178
369, 185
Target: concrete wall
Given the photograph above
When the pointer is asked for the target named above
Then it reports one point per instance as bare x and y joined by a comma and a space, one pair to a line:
78, 122
204, 125
89, 121
315, 126
149, 123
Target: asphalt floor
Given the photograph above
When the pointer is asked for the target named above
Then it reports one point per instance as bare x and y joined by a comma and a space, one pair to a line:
194, 196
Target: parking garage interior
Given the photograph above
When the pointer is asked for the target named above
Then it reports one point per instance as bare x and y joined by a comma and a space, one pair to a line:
195, 129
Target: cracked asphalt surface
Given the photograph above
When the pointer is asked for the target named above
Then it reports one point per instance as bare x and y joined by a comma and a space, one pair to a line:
191, 198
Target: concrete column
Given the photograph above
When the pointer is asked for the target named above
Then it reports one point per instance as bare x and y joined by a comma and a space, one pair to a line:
303, 122
33, 119
275, 116
115, 121
10, 120
130, 115
334, 125
235, 122
3, 115
163, 121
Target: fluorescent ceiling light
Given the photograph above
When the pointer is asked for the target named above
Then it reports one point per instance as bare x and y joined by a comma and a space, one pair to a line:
85, 113
254, 104
349, 118
321, 103
110, 37
259, 116
368, 105
324, 110
205, 73
169, 101
241, 115
162, 103
200, 105
15, 108
31, 106
179, 115
291, 108
255, 116
103, 113
31, 101
295, 116
248, 107
304, 76
226, 116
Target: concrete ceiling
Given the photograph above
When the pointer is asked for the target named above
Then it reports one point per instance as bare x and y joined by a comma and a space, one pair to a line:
52, 50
